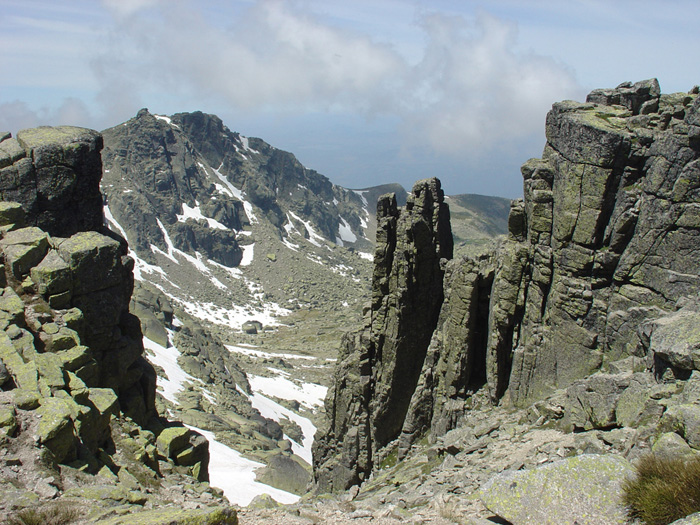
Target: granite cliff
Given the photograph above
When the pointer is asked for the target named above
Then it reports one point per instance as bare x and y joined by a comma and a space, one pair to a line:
381, 362
80, 436
567, 321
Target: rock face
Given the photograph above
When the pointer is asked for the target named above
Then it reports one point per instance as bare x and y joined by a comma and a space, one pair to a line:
77, 398
189, 180
56, 247
382, 362
610, 235
54, 173
584, 294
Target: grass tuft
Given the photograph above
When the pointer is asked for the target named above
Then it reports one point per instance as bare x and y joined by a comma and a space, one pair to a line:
52, 514
664, 490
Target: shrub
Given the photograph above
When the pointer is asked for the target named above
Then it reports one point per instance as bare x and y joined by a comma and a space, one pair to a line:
52, 514
664, 489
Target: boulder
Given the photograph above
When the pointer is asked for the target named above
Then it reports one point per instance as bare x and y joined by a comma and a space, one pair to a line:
8, 421
693, 519
585, 489
172, 440
252, 327
11, 213
55, 429
671, 446
11, 307
284, 473
58, 182
52, 275
675, 340
684, 420
24, 248
94, 260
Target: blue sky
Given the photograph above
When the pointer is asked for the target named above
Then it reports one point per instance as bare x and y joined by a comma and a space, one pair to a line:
365, 92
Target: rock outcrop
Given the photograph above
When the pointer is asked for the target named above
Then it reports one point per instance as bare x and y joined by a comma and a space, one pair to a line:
380, 363
77, 399
67, 276
589, 300
54, 173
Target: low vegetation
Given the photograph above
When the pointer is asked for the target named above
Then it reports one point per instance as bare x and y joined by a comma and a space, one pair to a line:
53, 514
664, 489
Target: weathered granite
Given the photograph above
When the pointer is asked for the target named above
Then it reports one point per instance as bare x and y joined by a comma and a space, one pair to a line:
379, 366
587, 295
585, 489
54, 174
76, 393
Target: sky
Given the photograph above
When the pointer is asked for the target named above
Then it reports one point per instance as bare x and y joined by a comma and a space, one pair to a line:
365, 92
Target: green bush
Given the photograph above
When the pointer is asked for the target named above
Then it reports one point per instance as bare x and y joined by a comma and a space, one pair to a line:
664, 490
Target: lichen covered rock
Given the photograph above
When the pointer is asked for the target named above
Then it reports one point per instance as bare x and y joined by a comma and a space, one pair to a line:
585, 489
380, 366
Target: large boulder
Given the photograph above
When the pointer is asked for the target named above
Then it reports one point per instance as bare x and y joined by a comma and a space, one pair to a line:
583, 489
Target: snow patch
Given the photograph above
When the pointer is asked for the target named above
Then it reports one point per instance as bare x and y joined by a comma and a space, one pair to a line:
290, 245
141, 267
314, 238
166, 358
235, 315
362, 196
310, 395
246, 145
271, 410
235, 475
364, 255
249, 350
196, 214
345, 231
167, 120
248, 253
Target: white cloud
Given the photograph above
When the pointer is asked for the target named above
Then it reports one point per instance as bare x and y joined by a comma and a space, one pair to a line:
271, 56
125, 8
470, 89
474, 90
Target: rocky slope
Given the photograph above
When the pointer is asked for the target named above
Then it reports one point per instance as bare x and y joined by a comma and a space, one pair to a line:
80, 436
581, 320
231, 238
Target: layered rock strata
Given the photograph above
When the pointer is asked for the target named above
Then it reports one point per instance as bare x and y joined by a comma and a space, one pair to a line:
603, 243
381, 362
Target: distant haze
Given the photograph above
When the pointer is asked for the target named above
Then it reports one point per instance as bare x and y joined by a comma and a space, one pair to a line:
367, 93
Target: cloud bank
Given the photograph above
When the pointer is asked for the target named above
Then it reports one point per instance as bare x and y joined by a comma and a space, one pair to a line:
468, 91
